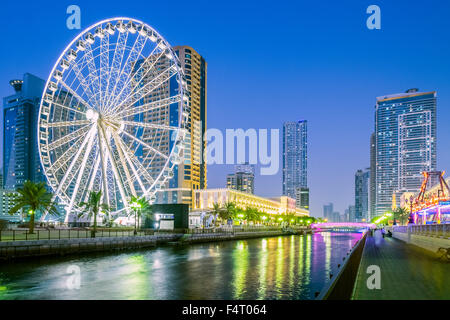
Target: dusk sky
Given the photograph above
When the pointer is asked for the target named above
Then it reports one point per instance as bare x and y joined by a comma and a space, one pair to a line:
274, 61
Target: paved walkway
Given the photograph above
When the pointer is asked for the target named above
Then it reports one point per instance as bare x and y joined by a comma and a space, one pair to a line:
407, 272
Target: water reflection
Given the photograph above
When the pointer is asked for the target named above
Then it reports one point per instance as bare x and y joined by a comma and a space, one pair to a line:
291, 267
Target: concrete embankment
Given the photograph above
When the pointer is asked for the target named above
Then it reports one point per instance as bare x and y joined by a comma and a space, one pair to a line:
58, 247
428, 242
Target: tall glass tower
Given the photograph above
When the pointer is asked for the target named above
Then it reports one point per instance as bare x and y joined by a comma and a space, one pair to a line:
405, 128
20, 146
362, 192
295, 157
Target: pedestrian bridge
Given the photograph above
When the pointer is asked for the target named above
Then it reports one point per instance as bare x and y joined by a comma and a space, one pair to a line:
343, 225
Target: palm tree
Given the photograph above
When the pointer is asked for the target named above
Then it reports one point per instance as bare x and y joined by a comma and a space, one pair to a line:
401, 214
92, 208
216, 211
251, 214
228, 211
34, 197
139, 205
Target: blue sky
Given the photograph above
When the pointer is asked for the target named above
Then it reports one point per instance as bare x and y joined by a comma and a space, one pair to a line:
274, 61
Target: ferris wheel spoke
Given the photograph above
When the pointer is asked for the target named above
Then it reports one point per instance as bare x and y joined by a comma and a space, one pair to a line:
125, 167
81, 170
115, 67
132, 57
135, 165
149, 125
104, 169
104, 67
65, 157
130, 111
114, 167
90, 184
68, 108
146, 145
74, 94
75, 159
94, 76
68, 138
149, 87
128, 83
67, 123
82, 80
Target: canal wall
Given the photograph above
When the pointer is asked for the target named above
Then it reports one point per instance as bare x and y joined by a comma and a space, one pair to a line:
59, 247
38, 248
342, 284
428, 242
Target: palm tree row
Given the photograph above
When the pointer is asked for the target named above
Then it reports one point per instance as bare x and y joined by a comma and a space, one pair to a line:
34, 198
230, 211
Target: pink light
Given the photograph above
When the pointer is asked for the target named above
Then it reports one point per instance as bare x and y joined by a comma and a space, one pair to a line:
343, 224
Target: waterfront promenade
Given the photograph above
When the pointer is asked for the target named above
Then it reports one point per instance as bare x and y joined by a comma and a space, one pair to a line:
407, 272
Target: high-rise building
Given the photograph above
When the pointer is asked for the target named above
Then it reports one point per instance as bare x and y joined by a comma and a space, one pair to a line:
295, 157
20, 146
350, 214
373, 170
302, 198
328, 211
362, 195
243, 178
405, 128
190, 175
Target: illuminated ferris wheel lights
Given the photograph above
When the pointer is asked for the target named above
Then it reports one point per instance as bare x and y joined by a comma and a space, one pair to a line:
92, 121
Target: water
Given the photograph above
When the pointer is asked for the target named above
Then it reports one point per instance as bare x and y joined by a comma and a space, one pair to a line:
289, 267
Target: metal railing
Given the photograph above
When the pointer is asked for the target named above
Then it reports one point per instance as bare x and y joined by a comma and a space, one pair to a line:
432, 230
57, 234
233, 229
78, 233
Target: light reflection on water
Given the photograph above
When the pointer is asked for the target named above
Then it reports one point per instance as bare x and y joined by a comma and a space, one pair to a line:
290, 267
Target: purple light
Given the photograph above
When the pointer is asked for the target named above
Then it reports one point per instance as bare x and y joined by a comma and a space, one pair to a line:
343, 224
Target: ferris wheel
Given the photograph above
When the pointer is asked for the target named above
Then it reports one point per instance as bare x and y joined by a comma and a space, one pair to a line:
113, 115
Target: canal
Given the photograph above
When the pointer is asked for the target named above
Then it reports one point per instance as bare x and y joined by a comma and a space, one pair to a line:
285, 267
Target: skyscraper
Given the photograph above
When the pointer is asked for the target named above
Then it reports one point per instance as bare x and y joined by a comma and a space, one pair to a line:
362, 191
243, 179
405, 128
373, 170
328, 211
191, 174
302, 198
295, 157
20, 146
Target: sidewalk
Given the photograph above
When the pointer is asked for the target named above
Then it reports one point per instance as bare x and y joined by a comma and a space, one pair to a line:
407, 272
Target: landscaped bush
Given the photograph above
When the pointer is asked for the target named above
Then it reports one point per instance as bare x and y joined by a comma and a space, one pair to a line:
3, 224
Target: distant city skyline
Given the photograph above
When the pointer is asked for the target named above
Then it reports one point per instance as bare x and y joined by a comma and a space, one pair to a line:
337, 69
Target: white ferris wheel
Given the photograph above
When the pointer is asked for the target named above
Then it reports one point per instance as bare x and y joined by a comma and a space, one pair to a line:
113, 115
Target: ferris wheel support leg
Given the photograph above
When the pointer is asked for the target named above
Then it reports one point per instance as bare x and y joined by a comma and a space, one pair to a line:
115, 171
81, 171
103, 161
125, 168
138, 178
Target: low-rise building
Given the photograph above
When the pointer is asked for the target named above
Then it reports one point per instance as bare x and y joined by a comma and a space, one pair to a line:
205, 199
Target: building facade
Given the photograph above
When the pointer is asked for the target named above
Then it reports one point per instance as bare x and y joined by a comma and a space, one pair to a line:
205, 200
362, 195
295, 157
191, 174
328, 211
373, 170
243, 178
302, 198
21, 160
405, 128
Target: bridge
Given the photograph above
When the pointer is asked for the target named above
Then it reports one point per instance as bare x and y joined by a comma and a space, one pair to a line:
342, 226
